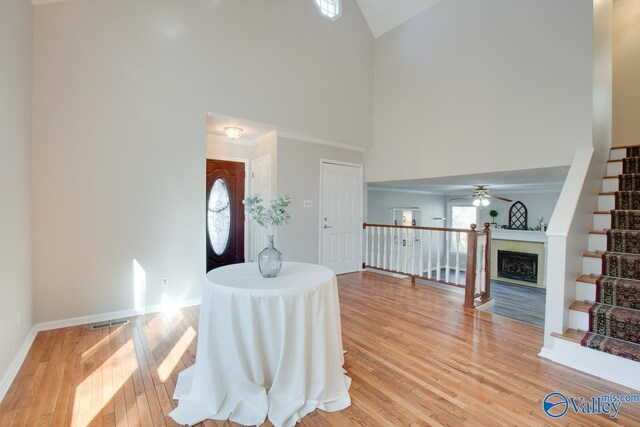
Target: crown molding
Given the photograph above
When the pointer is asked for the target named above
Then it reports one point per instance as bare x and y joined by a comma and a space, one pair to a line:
39, 2
320, 141
402, 190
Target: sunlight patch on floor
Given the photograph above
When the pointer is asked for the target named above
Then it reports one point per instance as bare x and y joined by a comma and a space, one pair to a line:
170, 362
83, 413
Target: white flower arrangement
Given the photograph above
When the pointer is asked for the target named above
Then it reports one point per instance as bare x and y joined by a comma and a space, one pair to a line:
269, 218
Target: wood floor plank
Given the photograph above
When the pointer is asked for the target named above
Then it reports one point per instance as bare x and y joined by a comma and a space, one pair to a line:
415, 356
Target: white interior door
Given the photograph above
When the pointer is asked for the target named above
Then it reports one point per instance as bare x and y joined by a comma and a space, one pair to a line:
341, 217
260, 185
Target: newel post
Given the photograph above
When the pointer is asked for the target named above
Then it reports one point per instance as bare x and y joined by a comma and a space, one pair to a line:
470, 285
487, 265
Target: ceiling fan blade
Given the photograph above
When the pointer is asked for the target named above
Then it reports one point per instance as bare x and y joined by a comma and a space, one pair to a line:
502, 198
460, 198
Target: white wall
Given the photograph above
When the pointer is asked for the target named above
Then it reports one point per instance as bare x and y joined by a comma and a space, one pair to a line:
15, 180
299, 177
626, 72
538, 205
482, 86
573, 216
121, 91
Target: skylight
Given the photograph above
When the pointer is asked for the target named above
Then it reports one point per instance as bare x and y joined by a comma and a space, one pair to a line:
330, 9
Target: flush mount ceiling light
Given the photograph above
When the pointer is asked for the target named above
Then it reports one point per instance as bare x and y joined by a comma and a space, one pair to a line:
233, 132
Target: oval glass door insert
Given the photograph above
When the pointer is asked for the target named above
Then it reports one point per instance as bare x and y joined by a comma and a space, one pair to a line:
219, 216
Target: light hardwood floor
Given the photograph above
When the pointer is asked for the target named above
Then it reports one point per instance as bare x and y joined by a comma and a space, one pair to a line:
415, 355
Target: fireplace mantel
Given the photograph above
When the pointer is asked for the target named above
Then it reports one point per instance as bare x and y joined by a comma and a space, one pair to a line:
519, 235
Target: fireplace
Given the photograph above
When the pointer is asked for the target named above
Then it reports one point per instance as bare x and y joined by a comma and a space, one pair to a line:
518, 266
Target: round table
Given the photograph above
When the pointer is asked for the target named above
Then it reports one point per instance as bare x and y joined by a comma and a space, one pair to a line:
266, 348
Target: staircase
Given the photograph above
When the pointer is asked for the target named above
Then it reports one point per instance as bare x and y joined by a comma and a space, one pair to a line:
605, 315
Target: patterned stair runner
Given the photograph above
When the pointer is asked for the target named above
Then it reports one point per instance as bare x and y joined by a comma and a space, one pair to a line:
614, 320
627, 241
617, 291
625, 220
612, 346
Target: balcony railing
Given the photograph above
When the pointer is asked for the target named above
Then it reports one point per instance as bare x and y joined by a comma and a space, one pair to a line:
450, 256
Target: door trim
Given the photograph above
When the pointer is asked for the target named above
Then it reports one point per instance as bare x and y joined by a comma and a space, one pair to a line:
247, 189
360, 166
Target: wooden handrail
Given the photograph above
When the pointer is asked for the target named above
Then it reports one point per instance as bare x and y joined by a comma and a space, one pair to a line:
415, 227
385, 262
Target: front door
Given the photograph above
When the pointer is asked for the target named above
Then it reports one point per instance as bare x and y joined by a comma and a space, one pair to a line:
341, 217
225, 213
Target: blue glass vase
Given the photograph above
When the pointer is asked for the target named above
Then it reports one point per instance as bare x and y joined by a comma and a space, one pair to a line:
270, 260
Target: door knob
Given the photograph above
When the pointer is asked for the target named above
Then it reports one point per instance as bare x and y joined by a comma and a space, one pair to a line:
327, 226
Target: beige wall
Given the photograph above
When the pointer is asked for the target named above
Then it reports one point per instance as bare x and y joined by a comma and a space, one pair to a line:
15, 181
626, 72
121, 91
482, 86
299, 177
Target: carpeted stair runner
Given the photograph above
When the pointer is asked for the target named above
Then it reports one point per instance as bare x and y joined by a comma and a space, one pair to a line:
621, 265
617, 291
613, 346
633, 151
629, 182
627, 200
625, 220
627, 241
614, 320
631, 165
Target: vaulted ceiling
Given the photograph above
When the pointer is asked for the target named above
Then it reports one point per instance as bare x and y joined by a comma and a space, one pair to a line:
384, 15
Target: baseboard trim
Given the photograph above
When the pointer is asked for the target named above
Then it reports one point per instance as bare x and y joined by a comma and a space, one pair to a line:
113, 315
18, 360
11, 373
590, 361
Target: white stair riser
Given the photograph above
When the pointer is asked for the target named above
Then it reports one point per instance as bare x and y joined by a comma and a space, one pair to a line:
606, 202
597, 242
609, 184
591, 265
585, 291
614, 168
578, 320
618, 153
601, 222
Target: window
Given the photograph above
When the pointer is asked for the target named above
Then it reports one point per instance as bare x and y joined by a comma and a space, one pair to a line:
330, 9
219, 217
462, 217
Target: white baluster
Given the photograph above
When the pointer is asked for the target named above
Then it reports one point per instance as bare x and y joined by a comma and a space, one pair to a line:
379, 251
392, 248
412, 236
366, 246
421, 259
430, 242
438, 247
384, 248
447, 248
458, 257
399, 249
371, 248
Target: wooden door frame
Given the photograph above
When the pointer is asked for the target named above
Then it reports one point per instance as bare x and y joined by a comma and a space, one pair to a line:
360, 166
247, 188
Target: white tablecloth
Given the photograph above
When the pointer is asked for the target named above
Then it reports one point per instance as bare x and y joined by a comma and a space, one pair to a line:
266, 347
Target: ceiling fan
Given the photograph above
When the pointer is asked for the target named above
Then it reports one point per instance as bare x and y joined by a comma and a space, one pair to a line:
481, 196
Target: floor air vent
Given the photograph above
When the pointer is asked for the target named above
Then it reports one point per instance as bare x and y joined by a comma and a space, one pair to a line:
110, 324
